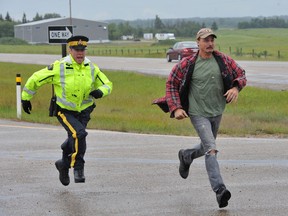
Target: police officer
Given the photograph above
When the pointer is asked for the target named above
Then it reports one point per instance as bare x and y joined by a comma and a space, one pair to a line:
76, 82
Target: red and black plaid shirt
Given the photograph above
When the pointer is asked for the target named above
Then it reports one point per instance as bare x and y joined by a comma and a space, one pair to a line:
177, 85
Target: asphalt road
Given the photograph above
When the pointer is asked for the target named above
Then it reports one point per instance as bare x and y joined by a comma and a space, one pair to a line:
267, 74
136, 174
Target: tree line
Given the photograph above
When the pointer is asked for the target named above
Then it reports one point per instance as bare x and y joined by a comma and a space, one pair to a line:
37, 17
7, 23
275, 22
180, 27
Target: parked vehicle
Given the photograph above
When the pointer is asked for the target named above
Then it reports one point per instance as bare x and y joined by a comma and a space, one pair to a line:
165, 36
181, 49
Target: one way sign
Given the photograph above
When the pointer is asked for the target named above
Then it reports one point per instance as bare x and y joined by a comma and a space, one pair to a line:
59, 34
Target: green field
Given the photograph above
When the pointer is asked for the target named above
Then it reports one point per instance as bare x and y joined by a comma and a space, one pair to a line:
272, 41
246, 44
259, 112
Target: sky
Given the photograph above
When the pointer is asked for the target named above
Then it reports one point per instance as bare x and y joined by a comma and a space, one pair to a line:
143, 9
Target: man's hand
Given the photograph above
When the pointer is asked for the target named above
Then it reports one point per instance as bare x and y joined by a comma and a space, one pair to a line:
27, 106
96, 93
180, 114
232, 95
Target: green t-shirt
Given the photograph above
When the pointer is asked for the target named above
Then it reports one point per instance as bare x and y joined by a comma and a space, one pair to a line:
206, 89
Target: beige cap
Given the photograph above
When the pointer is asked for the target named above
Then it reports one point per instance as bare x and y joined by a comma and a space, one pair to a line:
205, 32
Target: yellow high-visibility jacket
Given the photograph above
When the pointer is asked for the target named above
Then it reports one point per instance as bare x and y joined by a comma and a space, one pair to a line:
72, 83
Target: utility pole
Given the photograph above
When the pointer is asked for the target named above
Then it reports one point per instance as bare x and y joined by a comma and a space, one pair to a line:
64, 47
70, 13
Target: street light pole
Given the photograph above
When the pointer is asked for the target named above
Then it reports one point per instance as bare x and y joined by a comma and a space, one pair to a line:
70, 13
64, 47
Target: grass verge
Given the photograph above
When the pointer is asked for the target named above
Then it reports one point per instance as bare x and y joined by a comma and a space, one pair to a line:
259, 112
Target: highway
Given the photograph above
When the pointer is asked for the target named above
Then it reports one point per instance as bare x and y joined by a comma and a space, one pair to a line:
266, 74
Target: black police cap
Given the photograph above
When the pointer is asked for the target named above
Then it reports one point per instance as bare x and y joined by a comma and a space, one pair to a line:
77, 42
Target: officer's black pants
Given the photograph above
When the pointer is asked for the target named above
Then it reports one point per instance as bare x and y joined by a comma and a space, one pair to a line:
74, 147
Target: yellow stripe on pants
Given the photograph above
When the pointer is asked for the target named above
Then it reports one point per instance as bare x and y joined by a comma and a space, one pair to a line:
74, 135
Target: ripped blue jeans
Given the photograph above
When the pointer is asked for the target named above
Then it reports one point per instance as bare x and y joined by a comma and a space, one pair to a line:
207, 129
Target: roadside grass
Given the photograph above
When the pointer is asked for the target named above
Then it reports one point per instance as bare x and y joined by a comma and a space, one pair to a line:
262, 112
259, 112
267, 44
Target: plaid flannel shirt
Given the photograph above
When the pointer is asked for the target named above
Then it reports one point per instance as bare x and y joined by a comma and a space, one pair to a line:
177, 84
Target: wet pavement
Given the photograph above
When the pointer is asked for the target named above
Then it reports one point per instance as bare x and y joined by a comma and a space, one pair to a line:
137, 174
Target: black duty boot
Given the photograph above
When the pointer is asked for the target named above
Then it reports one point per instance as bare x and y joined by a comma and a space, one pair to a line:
63, 172
222, 196
183, 167
79, 175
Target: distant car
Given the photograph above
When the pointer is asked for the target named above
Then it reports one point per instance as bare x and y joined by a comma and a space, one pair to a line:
181, 49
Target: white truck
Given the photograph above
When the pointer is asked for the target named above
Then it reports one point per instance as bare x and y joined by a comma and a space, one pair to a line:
165, 36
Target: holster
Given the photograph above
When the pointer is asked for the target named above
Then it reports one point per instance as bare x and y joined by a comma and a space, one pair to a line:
53, 107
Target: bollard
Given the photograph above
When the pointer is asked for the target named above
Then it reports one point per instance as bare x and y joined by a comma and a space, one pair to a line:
18, 95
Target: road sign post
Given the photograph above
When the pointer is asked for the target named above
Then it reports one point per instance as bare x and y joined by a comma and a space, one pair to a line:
59, 34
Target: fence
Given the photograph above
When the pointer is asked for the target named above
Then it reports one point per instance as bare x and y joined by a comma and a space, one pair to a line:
127, 52
161, 52
239, 52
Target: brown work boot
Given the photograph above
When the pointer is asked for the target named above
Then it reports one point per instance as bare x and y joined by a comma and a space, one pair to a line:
63, 172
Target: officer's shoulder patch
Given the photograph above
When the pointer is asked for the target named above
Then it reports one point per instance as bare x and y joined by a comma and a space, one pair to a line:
50, 67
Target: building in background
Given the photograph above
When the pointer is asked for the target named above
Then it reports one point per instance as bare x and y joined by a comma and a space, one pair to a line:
127, 37
148, 36
37, 32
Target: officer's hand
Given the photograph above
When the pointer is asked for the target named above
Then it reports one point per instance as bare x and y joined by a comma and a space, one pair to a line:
27, 106
96, 93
